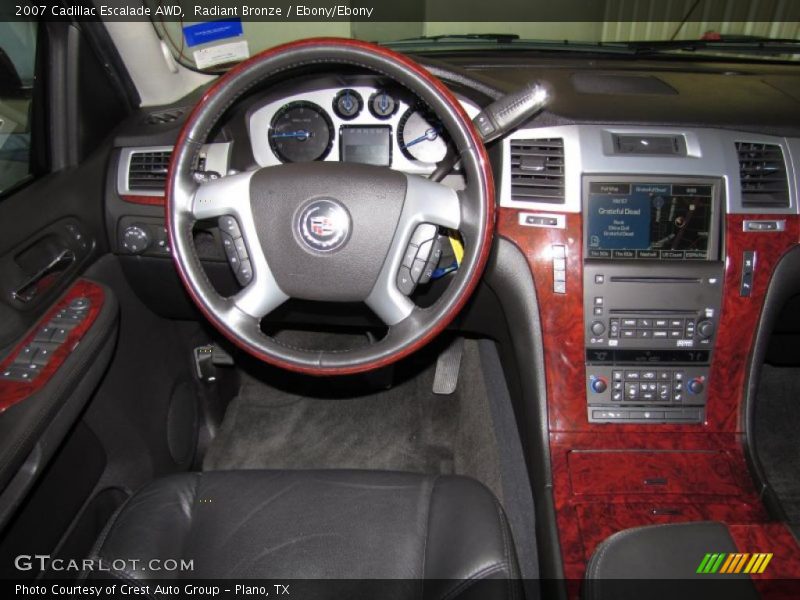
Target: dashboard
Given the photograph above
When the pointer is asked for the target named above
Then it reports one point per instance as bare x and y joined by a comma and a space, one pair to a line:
650, 206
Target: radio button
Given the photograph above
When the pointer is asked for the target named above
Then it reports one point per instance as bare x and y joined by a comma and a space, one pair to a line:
644, 333
660, 323
644, 322
659, 334
629, 322
628, 333
676, 323
613, 328
675, 333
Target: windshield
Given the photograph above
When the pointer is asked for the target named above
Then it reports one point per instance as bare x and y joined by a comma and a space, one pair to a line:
215, 40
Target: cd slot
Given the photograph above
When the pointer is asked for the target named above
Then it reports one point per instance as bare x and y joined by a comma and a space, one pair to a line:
652, 311
640, 279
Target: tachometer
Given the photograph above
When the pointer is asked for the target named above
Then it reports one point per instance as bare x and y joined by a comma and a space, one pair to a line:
301, 132
421, 137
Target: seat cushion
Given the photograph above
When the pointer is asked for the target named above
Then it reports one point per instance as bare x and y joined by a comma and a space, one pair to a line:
667, 555
315, 524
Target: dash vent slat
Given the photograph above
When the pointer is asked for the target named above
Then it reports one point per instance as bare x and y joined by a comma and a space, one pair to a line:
537, 170
148, 170
762, 174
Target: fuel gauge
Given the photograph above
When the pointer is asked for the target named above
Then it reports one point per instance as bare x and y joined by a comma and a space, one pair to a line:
347, 104
382, 105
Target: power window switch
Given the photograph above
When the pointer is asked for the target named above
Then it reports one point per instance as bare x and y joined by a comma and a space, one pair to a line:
45, 334
20, 373
60, 335
25, 356
44, 351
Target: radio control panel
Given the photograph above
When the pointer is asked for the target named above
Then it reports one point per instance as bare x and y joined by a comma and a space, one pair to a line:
652, 286
662, 306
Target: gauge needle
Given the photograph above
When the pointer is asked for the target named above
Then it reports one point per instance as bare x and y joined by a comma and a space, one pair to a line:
300, 134
431, 134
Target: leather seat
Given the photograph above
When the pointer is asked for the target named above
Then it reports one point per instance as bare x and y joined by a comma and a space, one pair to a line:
668, 556
318, 524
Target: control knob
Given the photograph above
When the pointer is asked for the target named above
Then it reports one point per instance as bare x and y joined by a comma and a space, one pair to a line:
598, 328
135, 239
696, 385
705, 329
599, 385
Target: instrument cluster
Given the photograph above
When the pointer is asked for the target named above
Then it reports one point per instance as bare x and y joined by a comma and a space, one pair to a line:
363, 124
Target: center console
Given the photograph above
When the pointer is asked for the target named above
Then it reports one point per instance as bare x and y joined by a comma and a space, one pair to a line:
652, 284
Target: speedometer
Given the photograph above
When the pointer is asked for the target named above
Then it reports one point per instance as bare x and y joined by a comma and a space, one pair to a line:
301, 132
420, 137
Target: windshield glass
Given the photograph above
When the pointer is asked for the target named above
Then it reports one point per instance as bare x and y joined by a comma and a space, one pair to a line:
217, 39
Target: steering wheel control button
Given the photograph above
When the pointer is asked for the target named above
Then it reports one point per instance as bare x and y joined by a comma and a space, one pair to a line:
324, 225
230, 225
245, 273
423, 233
404, 281
410, 255
241, 249
416, 270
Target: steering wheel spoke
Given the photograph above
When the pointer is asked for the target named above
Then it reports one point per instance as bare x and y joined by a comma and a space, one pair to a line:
229, 195
228, 200
427, 206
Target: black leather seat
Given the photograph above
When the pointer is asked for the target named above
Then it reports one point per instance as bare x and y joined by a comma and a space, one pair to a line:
318, 524
668, 556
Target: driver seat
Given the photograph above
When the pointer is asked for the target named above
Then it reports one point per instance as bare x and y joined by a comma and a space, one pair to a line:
351, 525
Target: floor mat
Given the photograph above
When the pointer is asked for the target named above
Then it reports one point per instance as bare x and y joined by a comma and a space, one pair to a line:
777, 421
280, 422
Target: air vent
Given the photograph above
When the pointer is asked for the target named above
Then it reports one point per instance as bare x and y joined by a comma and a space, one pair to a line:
537, 170
148, 170
762, 173
164, 116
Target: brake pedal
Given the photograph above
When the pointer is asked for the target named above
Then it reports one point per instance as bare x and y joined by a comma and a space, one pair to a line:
448, 366
206, 360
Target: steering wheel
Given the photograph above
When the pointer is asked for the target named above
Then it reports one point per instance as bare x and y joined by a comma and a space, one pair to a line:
330, 231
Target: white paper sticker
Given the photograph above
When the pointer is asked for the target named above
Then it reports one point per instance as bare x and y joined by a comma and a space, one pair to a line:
221, 54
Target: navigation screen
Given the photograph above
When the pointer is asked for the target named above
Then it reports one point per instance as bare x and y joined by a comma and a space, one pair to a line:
661, 221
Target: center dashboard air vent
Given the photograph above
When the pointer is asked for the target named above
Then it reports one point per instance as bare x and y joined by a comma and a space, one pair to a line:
147, 171
762, 173
537, 170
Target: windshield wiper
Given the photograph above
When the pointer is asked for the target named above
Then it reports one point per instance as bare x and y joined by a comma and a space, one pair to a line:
499, 38
732, 44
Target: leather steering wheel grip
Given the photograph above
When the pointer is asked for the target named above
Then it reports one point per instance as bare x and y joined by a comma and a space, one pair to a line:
477, 204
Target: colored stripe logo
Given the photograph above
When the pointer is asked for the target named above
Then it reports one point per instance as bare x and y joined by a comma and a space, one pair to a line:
732, 563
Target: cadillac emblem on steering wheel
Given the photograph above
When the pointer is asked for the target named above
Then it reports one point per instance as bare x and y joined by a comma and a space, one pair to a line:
324, 225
